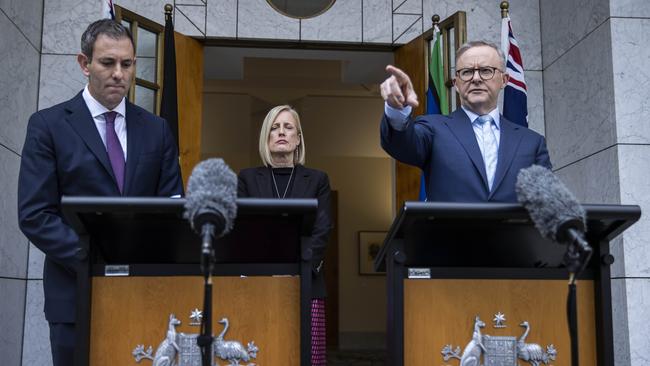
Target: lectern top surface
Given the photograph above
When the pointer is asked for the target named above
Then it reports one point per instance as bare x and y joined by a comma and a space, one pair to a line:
153, 230
489, 234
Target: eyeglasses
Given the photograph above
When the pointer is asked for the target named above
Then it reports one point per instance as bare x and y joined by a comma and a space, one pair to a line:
485, 73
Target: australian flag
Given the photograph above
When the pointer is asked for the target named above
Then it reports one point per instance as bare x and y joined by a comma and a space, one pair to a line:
108, 10
515, 97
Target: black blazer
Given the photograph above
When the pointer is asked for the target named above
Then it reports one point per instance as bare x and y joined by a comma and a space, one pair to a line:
308, 183
63, 154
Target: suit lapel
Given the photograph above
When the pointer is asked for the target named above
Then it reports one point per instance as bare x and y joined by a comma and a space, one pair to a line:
134, 135
508, 145
264, 182
301, 182
461, 127
82, 122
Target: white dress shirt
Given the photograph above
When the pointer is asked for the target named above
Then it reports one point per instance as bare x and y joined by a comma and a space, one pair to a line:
97, 110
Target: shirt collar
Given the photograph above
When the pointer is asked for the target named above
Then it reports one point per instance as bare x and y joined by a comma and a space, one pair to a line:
96, 108
493, 113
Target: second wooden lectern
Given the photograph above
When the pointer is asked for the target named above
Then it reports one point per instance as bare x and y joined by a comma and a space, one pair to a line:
478, 283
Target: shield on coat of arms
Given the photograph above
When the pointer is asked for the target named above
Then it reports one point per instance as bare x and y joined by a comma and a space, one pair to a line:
190, 352
500, 351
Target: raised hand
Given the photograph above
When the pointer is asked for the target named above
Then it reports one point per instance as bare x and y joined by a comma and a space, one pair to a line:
397, 90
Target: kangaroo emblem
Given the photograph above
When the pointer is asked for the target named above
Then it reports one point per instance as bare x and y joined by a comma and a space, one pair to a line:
167, 349
474, 349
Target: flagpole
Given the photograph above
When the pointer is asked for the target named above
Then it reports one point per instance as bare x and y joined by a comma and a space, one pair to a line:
504, 9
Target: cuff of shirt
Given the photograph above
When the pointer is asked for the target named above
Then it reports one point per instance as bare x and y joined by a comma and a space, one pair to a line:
397, 118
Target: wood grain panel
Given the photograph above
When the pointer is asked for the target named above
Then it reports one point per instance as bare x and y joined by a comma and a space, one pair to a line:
412, 59
189, 79
441, 312
127, 311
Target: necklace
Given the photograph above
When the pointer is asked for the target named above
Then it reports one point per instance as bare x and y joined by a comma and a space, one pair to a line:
276, 184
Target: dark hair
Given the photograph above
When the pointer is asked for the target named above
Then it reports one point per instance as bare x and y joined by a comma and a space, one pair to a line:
107, 27
471, 44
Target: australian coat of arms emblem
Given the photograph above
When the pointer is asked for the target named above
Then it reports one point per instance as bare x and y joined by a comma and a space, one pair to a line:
181, 349
499, 350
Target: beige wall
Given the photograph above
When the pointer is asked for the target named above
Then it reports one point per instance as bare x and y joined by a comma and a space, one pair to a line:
342, 138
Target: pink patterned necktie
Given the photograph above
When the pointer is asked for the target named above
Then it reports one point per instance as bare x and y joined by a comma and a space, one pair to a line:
114, 149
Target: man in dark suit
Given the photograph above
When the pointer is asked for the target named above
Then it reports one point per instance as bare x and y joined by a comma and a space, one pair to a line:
95, 144
472, 155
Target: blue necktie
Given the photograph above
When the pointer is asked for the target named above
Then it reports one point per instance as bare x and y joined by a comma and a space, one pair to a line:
490, 149
114, 149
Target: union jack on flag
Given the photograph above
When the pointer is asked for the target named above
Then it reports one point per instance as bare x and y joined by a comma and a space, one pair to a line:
515, 96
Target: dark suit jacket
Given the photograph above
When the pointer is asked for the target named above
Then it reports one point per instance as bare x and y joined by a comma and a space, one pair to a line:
308, 183
63, 154
445, 148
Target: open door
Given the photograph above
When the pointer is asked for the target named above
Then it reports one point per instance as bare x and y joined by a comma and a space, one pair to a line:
413, 58
189, 79
189, 84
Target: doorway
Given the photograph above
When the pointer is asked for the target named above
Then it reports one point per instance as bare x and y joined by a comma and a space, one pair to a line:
336, 93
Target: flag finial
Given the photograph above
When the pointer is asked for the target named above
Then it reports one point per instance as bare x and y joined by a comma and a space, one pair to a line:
168, 9
435, 19
504, 9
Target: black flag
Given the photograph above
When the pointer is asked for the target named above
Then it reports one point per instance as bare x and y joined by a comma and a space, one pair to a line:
169, 102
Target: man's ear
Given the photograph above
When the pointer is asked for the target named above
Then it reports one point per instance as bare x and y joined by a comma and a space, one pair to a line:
83, 63
506, 77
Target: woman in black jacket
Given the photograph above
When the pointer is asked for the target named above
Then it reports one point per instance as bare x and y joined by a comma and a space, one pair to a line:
283, 175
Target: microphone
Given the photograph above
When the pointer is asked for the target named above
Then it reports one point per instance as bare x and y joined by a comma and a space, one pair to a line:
556, 212
211, 205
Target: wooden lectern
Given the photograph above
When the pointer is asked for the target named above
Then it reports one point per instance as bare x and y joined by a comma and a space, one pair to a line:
462, 273
140, 281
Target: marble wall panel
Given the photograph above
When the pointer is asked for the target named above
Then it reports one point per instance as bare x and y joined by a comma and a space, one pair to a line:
27, 15
594, 179
566, 23
620, 321
342, 23
629, 8
221, 18
190, 20
406, 27
61, 80
257, 19
63, 23
20, 62
13, 245
630, 65
36, 349
376, 24
635, 189
638, 312
12, 303
193, 2
35, 263
408, 6
579, 100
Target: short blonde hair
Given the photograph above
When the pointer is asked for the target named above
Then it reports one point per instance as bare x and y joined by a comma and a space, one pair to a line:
265, 132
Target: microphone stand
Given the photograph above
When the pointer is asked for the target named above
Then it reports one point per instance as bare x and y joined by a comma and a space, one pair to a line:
576, 259
204, 341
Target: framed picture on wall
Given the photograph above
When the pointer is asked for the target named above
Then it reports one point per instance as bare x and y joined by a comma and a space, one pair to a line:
370, 243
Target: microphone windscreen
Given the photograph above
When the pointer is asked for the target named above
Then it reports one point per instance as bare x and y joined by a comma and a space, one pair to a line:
548, 201
212, 187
